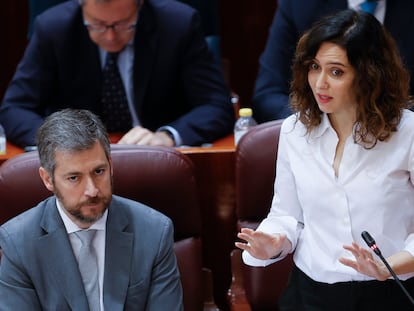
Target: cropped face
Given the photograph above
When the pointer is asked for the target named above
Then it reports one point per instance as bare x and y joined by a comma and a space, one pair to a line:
331, 79
111, 24
82, 183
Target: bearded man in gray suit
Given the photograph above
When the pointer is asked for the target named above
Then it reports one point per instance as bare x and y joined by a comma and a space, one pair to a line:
41, 268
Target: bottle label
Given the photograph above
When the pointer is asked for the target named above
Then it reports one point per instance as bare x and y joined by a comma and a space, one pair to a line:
238, 135
2, 145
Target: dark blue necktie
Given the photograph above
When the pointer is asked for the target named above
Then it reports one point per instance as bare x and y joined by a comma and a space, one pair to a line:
115, 111
369, 6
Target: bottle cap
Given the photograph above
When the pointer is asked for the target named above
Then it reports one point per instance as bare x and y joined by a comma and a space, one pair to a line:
245, 112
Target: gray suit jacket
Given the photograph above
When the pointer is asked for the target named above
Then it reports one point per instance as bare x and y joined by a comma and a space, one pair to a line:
38, 270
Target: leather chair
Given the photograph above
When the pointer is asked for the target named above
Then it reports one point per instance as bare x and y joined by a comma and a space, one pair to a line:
256, 288
160, 177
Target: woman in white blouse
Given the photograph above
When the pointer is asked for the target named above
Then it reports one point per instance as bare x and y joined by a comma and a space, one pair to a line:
345, 165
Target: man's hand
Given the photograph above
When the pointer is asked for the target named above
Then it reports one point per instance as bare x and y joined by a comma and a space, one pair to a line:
142, 136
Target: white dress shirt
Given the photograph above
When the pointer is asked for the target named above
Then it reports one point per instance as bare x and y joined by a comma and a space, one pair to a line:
319, 212
98, 243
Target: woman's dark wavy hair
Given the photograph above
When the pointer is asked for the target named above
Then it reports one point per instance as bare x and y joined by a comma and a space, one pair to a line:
381, 81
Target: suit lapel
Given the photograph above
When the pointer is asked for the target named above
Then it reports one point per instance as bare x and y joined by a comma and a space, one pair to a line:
57, 256
145, 47
91, 70
118, 257
80, 65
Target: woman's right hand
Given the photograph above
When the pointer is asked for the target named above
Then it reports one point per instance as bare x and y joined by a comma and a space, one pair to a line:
262, 245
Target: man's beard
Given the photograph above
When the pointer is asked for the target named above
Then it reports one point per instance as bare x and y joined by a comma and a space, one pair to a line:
85, 219
75, 211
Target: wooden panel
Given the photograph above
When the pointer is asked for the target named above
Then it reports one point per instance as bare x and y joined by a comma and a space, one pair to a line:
244, 29
215, 179
13, 24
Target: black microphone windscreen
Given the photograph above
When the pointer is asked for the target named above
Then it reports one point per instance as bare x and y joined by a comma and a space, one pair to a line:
368, 238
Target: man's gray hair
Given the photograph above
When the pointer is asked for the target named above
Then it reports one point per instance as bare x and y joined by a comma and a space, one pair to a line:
69, 130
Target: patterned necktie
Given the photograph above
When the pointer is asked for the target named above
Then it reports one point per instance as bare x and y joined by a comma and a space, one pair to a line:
88, 267
115, 111
369, 6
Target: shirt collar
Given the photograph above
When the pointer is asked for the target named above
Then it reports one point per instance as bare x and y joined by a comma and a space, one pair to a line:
326, 125
322, 128
71, 227
127, 48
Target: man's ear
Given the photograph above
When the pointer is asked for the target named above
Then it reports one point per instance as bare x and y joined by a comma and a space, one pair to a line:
110, 164
46, 178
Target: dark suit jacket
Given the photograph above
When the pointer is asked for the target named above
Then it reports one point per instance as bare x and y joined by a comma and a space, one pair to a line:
176, 80
38, 269
292, 18
209, 12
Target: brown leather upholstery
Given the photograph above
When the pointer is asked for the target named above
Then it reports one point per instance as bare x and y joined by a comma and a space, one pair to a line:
256, 156
160, 177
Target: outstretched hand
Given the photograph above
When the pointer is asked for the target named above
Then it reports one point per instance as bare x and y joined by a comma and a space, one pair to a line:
262, 245
365, 263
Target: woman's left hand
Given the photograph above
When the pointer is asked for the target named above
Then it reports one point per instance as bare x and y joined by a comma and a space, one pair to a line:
365, 263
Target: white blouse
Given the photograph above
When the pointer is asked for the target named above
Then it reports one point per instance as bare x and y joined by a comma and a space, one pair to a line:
320, 212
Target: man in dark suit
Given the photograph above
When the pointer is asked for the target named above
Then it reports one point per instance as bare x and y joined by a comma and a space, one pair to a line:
292, 18
41, 266
175, 90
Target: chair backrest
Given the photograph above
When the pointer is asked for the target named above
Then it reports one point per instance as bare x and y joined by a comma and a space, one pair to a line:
160, 177
256, 156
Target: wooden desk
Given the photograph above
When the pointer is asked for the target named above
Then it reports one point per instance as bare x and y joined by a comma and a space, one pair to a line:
215, 175
11, 151
223, 145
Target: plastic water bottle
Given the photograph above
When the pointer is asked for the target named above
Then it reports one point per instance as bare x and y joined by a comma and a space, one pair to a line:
2, 141
243, 123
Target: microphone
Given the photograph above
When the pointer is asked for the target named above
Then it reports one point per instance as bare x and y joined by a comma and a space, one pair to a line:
371, 243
